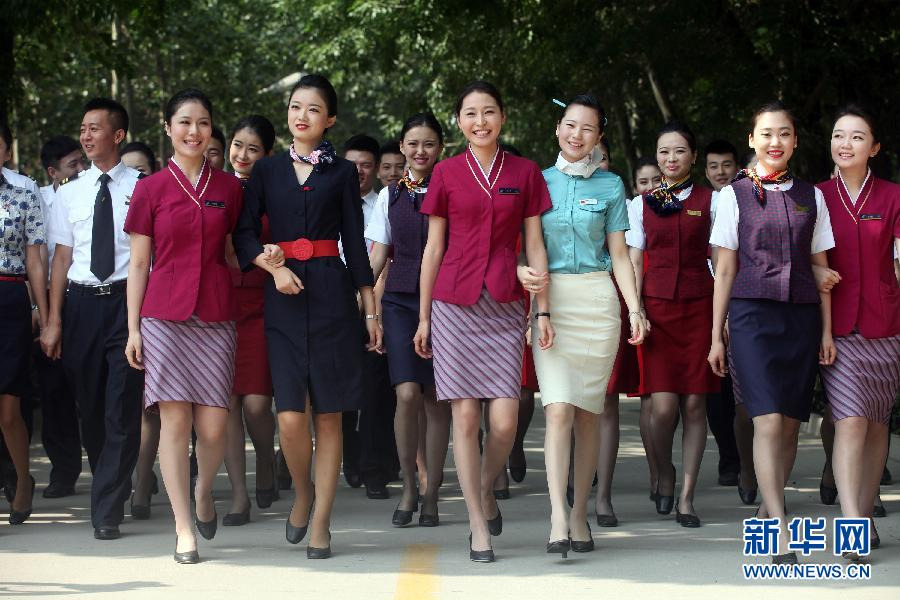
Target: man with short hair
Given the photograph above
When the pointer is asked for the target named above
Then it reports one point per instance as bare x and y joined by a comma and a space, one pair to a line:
721, 163
93, 253
215, 152
391, 163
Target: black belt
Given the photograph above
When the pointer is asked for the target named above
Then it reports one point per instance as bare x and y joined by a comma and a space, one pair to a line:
104, 289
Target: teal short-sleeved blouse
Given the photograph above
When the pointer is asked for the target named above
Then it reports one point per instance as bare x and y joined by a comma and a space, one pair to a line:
584, 211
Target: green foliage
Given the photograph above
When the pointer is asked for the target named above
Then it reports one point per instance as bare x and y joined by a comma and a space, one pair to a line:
706, 62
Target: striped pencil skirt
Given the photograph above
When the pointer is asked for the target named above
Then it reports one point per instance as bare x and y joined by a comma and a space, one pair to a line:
478, 349
864, 379
188, 361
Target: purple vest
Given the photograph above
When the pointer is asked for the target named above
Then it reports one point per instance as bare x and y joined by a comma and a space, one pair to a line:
409, 232
774, 244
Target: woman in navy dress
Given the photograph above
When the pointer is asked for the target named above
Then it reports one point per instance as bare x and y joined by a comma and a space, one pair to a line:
770, 230
312, 319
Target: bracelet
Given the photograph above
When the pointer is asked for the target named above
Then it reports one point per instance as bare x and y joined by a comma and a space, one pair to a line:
636, 312
373, 317
34, 307
541, 314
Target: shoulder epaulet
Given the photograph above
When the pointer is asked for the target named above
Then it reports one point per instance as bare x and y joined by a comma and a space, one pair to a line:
68, 179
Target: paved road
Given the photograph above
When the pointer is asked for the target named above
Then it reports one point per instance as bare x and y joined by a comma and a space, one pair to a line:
54, 555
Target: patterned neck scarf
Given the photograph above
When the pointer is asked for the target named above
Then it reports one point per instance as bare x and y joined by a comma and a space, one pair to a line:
411, 186
323, 155
759, 192
663, 201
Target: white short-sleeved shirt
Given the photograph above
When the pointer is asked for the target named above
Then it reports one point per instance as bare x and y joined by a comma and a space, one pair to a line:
379, 227
635, 236
22, 181
47, 196
72, 220
368, 204
725, 227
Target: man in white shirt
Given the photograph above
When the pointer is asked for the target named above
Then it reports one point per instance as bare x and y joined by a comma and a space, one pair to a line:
93, 253
11, 176
369, 447
62, 159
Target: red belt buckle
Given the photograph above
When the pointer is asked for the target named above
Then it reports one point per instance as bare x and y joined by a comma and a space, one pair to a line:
302, 249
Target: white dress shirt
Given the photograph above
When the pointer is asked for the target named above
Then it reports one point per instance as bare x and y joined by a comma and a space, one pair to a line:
725, 227
378, 228
636, 237
72, 220
368, 203
48, 196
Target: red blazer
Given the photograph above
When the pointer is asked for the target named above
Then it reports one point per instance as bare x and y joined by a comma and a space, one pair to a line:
868, 297
676, 250
188, 227
483, 227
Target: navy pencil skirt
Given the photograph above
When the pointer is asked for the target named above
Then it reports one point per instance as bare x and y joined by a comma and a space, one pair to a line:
775, 353
400, 318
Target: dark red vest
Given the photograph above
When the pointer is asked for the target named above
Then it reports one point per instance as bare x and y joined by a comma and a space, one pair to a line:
409, 233
774, 244
868, 297
676, 250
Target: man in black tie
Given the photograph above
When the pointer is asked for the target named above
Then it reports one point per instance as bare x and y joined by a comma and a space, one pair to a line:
92, 253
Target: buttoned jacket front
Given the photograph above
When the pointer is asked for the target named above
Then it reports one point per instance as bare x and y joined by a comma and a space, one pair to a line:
483, 223
189, 228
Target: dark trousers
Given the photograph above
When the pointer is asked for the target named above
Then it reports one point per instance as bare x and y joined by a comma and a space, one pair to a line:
369, 445
59, 426
720, 415
109, 395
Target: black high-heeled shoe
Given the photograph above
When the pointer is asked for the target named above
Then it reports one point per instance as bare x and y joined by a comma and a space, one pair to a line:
495, 525
664, 504
17, 517
208, 528
191, 557
559, 547
582, 546
827, 494
480, 556
402, 518
319, 553
501, 494
295, 534
429, 520
874, 540
748, 496
686, 520
139, 512
237, 519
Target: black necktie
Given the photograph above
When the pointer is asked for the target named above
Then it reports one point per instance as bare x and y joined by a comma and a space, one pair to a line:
103, 254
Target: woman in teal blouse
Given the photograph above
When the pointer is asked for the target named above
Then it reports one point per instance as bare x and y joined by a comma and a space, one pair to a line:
585, 237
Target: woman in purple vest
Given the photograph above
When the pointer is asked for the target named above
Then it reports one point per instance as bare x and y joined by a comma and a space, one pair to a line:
862, 384
396, 224
770, 229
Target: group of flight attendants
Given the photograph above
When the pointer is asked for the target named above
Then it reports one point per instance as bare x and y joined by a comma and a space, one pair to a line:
201, 296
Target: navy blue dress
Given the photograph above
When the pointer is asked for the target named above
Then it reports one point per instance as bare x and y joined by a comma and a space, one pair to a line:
313, 337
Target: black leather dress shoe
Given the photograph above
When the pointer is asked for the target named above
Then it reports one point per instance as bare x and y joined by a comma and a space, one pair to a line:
191, 557
352, 476
107, 532
377, 492
237, 519
495, 525
207, 528
729, 479
748, 496
482, 556
583, 546
886, 477
878, 511
607, 521
265, 497
429, 520
58, 489
319, 553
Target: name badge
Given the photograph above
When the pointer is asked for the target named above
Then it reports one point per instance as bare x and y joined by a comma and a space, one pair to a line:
695, 213
801, 208
588, 202
508, 191
215, 204
870, 217
420, 190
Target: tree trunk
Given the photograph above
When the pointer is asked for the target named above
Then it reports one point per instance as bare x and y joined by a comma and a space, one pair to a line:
7, 65
662, 99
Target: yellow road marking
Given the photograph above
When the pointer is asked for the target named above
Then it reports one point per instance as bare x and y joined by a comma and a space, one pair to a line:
418, 580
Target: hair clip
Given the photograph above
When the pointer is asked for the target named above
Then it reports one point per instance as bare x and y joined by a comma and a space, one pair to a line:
559, 103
